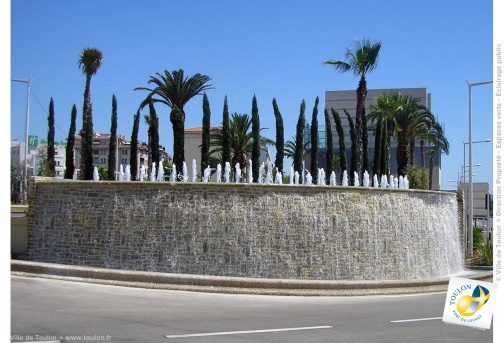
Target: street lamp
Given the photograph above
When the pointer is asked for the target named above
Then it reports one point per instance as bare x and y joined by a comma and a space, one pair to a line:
25, 183
485, 141
470, 215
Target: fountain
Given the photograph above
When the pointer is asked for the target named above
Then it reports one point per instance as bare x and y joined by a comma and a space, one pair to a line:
127, 174
262, 173
96, 176
142, 173
249, 230
160, 173
291, 176
344, 182
193, 179
185, 178
152, 176
173, 175
218, 173
249, 173
365, 179
121, 172
332, 179
375, 181
227, 171
237, 173
356, 179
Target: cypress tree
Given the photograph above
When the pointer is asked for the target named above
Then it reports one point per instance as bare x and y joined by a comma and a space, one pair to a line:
134, 146
51, 163
256, 140
226, 139
377, 149
341, 142
111, 170
314, 143
298, 154
365, 140
384, 160
153, 134
69, 152
205, 136
329, 146
279, 144
354, 159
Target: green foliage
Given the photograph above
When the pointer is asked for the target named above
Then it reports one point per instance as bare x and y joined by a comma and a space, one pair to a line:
256, 143
69, 152
300, 144
226, 141
483, 254
51, 163
102, 173
365, 138
112, 143
329, 146
279, 144
377, 149
341, 142
417, 177
314, 143
134, 146
205, 136
354, 159
153, 135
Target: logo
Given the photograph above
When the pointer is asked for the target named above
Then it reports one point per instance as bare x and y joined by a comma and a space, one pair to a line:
470, 302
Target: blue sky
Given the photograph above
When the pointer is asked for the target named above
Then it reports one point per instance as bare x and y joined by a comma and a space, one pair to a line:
270, 49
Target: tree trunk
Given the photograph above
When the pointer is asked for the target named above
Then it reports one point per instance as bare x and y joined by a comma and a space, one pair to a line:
361, 97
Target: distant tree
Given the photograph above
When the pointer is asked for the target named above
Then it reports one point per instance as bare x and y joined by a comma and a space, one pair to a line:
175, 90
290, 150
256, 140
341, 142
226, 141
354, 157
385, 149
298, 156
314, 143
69, 152
365, 139
51, 163
205, 136
279, 144
111, 170
89, 62
134, 146
329, 146
361, 60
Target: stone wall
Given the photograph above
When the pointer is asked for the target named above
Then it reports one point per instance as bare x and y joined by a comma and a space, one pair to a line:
267, 231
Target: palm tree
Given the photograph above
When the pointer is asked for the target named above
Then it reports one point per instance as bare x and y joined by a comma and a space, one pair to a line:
361, 60
431, 154
89, 62
241, 139
175, 90
382, 115
290, 149
411, 118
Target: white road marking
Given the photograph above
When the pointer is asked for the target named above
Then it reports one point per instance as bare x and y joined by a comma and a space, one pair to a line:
415, 320
248, 331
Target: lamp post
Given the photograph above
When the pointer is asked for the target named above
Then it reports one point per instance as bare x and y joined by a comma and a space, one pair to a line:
25, 183
470, 215
484, 141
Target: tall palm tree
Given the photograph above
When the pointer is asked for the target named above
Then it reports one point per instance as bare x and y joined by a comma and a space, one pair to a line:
90, 61
241, 139
175, 90
361, 60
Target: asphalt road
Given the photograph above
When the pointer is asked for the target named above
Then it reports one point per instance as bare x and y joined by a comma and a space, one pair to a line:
52, 310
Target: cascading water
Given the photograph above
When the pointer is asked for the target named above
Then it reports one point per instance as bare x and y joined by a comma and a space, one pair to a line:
160, 172
237, 173
173, 175
152, 176
227, 172
218, 173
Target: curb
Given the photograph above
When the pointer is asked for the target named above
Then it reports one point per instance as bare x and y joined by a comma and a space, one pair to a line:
232, 285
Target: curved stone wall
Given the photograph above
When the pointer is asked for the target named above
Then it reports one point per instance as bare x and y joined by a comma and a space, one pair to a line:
246, 230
